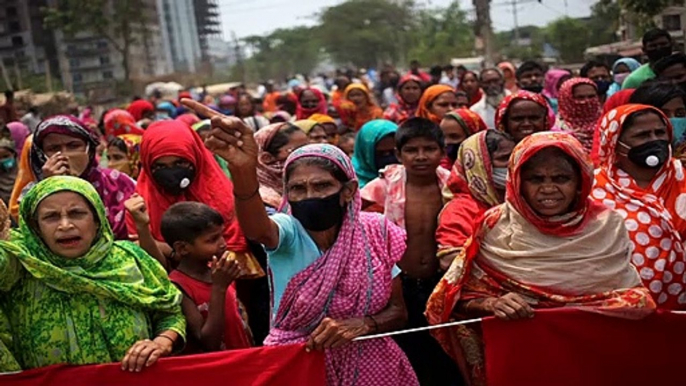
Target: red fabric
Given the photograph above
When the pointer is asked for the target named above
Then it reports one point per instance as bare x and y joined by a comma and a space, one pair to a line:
139, 108
119, 122
210, 186
505, 105
579, 118
617, 99
426, 78
200, 292
458, 219
303, 113
264, 366
571, 348
401, 111
188, 118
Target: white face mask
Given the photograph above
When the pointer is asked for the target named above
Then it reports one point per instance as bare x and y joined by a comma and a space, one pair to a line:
499, 177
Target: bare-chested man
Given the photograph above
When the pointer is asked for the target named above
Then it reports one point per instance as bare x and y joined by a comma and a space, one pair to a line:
410, 195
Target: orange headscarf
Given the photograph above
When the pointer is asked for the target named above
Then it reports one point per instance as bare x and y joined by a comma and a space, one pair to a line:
430, 95
24, 177
354, 116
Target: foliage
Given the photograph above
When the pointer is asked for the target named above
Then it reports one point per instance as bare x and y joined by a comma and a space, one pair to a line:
440, 34
366, 33
536, 36
570, 37
643, 11
604, 22
120, 22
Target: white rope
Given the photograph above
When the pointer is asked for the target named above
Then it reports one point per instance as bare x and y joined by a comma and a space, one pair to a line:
411, 330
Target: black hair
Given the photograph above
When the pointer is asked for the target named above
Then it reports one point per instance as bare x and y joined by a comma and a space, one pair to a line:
413, 62
418, 128
493, 140
252, 103
322, 163
188, 220
490, 69
281, 138
528, 66
9, 94
661, 65
657, 93
119, 144
448, 67
592, 64
347, 135
655, 34
461, 68
436, 71
286, 104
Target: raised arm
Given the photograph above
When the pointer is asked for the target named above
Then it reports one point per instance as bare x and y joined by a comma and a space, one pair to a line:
232, 140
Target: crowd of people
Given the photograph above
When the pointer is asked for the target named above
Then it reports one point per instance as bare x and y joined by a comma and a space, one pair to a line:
328, 212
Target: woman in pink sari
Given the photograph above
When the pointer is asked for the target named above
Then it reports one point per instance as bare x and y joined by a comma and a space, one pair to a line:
334, 277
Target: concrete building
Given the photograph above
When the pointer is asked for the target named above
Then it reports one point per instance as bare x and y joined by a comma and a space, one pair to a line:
209, 27
24, 43
179, 33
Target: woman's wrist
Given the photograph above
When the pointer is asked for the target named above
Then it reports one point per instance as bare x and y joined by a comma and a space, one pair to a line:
166, 341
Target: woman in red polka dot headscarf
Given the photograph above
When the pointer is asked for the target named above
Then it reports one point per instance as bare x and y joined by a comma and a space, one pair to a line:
640, 180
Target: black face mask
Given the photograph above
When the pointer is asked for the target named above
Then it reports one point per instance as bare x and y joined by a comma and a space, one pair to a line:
603, 86
651, 154
318, 214
658, 53
383, 160
534, 88
451, 151
174, 180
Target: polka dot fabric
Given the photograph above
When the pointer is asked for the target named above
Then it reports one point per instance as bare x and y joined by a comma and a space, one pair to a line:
655, 216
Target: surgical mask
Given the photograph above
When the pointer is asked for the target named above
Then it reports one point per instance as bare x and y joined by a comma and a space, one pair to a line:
679, 125
161, 117
534, 88
174, 180
499, 177
619, 78
8, 164
383, 160
651, 154
659, 53
603, 86
451, 151
318, 214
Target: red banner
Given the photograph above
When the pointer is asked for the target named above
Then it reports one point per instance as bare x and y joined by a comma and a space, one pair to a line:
265, 366
572, 348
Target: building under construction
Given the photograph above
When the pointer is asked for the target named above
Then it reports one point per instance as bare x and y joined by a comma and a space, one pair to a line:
208, 25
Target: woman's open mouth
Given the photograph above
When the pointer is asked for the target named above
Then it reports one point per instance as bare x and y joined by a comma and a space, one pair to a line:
69, 242
550, 202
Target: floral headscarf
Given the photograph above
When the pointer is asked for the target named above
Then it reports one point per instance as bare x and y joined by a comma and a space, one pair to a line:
579, 118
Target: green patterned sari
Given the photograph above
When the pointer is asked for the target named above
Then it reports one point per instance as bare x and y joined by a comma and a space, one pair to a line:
91, 309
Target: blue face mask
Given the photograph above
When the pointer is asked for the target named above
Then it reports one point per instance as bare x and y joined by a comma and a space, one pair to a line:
162, 117
8, 164
679, 125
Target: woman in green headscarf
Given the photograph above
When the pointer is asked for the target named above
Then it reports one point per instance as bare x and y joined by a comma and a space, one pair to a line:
374, 149
73, 295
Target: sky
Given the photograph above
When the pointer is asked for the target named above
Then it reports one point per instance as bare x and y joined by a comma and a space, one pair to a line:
259, 17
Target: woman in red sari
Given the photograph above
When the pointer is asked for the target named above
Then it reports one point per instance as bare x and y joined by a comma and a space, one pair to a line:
512, 264
522, 114
469, 83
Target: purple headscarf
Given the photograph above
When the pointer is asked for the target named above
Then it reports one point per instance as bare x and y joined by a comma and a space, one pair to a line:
552, 78
19, 133
113, 187
352, 279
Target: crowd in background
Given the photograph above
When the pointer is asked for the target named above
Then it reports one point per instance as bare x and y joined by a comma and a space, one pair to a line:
328, 208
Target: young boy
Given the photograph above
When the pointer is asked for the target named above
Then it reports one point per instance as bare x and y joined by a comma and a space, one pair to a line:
410, 196
205, 273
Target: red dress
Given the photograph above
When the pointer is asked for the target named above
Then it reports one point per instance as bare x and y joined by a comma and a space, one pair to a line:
235, 336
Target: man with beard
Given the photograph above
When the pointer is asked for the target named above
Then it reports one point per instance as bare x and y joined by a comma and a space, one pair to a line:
657, 44
530, 77
493, 84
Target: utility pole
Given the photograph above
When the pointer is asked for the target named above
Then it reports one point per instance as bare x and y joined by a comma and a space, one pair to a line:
239, 56
483, 21
516, 22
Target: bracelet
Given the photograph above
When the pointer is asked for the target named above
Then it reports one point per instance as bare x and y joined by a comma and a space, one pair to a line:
167, 337
246, 198
376, 325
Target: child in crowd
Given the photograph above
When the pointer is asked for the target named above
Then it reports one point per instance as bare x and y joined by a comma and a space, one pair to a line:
347, 143
204, 275
410, 196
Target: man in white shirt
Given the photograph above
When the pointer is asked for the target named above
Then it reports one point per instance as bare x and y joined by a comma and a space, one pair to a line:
493, 84
449, 78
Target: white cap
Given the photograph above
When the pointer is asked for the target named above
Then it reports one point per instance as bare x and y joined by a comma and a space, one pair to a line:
652, 161
185, 182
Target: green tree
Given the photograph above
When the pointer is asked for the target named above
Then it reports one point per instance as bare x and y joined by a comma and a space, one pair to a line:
643, 11
121, 22
532, 51
366, 32
604, 22
570, 37
440, 34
